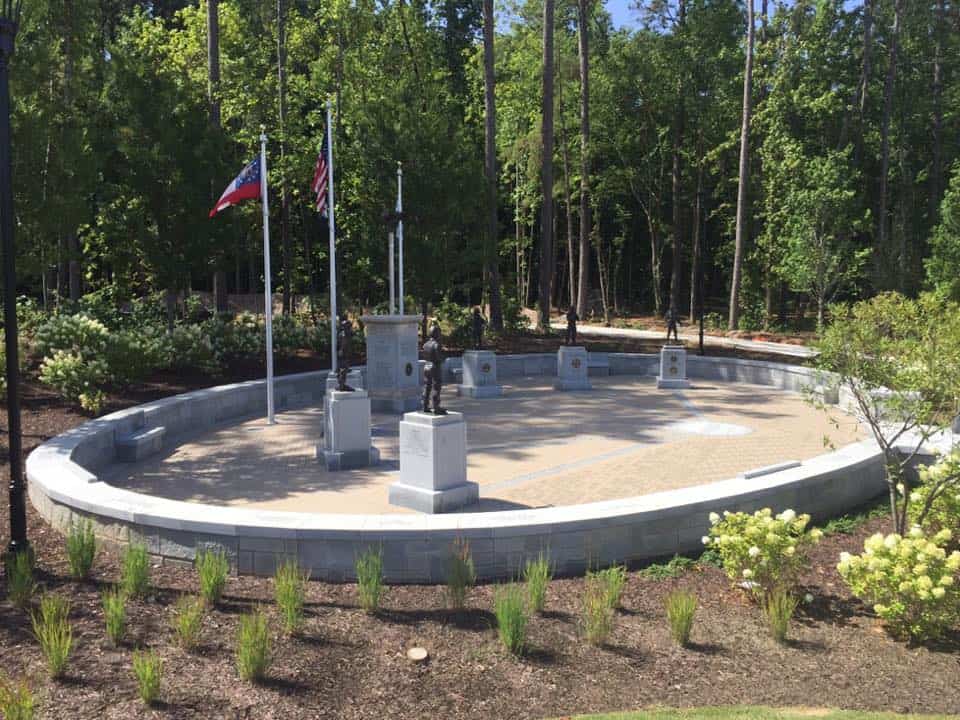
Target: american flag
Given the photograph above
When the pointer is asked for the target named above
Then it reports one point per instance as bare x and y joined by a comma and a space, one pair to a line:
321, 176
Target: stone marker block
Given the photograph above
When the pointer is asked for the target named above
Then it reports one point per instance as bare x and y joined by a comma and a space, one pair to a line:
673, 368
393, 376
572, 369
346, 439
479, 375
433, 464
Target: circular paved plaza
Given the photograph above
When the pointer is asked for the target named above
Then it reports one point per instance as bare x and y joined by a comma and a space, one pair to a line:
533, 447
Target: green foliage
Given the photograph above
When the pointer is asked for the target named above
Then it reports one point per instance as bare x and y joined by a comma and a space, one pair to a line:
290, 589
187, 621
20, 582
910, 581
778, 609
943, 265
212, 567
289, 335
510, 610
598, 616
132, 355
768, 551
148, 670
253, 646
537, 574
51, 627
134, 570
76, 378
115, 614
681, 608
674, 568
456, 323
461, 574
81, 548
190, 348
848, 524
16, 701
935, 502
369, 569
75, 334
612, 580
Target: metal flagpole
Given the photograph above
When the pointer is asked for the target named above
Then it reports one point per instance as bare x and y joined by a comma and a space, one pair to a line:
400, 232
267, 291
390, 269
333, 246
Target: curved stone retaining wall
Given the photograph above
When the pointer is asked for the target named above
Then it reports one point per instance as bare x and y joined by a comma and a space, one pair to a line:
64, 488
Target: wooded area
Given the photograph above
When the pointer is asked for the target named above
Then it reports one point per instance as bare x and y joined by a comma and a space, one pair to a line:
798, 153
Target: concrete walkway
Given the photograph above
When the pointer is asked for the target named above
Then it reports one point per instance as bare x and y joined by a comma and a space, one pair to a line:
797, 351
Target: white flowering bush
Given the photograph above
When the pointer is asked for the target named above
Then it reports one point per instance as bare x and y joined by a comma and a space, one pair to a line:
910, 581
77, 334
767, 550
935, 502
76, 378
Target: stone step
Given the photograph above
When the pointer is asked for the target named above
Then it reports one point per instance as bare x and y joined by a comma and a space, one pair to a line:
139, 444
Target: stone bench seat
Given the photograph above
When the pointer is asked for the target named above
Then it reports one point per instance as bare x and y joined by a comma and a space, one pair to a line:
139, 444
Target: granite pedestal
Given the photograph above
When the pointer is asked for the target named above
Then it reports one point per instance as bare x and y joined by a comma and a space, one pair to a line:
433, 464
479, 373
393, 379
673, 368
346, 438
572, 369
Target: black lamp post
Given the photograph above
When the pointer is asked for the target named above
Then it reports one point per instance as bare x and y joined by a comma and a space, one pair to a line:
18, 508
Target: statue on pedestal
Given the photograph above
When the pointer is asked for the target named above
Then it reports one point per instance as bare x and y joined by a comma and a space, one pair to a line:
672, 323
433, 373
344, 342
478, 323
572, 318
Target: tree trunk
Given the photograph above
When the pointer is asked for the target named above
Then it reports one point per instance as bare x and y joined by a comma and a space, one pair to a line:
546, 217
286, 250
696, 252
740, 239
936, 165
888, 85
676, 175
213, 99
655, 260
865, 68
492, 253
73, 242
565, 154
583, 27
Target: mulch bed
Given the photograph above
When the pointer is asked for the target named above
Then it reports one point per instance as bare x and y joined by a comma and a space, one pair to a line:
346, 664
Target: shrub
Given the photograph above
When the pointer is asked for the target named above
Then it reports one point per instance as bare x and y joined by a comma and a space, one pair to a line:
508, 606
935, 502
672, 569
290, 583
456, 321
187, 621
81, 548
289, 335
75, 334
612, 580
212, 566
910, 581
681, 609
75, 377
132, 355
52, 629
537, 574
253, 646
598, 614
20, 583
148, 670
461, 575
767, 550
190, 347
16, 701
369, 568
778, 609
134, 571
115, 614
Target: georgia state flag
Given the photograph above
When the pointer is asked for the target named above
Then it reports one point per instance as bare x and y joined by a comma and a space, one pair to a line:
246, 186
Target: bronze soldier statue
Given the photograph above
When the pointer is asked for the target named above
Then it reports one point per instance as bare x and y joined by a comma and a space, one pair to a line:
478, 323
672, 323
433, 373
344, 341
572, 318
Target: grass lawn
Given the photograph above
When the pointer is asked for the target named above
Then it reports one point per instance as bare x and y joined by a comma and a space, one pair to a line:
759, 713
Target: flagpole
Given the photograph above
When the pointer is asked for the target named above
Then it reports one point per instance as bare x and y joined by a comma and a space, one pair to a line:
333, 247
392, 272
400, 231
267, 291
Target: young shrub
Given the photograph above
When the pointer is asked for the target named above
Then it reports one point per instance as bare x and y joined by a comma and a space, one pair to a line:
134, 571
537, 574
253, 646
148, 670
910, 581
369, 568
187, 621
115, 614
778, 609
16, 701
612, 580
52, 630
681, 608
213, 567
81, 549
461, 575
766, 550
76, 378
934, 504
598, 614
20, 584
511, 613
290, 590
